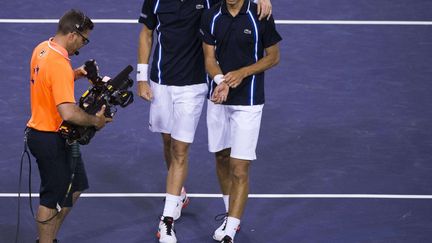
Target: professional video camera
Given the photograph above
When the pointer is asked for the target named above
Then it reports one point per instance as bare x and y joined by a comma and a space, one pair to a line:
104, 91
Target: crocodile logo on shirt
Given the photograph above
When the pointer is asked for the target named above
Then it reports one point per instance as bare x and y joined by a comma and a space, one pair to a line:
247, 31
199, 6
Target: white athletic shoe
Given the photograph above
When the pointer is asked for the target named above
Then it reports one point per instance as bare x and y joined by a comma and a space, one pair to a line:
166, 232
219, 233
183, 204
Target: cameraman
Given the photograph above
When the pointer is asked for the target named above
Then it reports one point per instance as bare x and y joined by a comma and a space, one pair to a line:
52, 101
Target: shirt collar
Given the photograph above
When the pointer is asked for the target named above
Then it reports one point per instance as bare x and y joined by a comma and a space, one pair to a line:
58, 48
243, 10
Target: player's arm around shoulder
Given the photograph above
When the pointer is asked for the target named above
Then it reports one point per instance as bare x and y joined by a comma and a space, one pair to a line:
264, 9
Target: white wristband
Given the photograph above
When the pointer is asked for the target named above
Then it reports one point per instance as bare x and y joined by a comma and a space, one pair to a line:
218, 79
142, 72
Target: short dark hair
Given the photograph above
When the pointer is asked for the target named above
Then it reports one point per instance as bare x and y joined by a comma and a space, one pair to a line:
74, 20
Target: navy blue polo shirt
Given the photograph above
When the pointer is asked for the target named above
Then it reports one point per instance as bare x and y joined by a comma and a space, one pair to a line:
178, 57
240, 41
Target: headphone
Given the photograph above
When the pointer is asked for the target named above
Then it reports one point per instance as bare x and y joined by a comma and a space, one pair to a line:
80, 27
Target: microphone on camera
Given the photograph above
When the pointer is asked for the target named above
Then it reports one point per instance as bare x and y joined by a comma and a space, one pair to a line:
118, 82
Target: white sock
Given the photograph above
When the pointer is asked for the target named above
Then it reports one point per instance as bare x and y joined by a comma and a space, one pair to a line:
226, 202
231, 227
171, 202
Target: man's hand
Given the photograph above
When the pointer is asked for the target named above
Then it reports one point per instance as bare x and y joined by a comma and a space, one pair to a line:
220, 93
144, 90
234, 78
80, 72
101, 119
264, 9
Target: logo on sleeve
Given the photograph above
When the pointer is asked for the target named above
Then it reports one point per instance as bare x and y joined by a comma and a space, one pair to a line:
247, 31
199, 6
42, 53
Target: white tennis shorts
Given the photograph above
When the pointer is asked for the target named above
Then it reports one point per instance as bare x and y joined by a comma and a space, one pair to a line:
234, 126
176, 110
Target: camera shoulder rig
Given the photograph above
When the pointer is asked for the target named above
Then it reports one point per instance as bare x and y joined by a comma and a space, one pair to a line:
104, 91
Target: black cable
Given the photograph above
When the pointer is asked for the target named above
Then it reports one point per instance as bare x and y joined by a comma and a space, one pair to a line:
25, 152
75, 155
29, 184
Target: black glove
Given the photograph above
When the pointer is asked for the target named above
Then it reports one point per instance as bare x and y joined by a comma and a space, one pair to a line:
92, 70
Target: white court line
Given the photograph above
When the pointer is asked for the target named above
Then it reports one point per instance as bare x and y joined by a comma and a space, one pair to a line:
293, 22
268, 196
352, 22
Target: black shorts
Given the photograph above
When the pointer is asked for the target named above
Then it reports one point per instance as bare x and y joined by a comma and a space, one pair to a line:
54, 162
